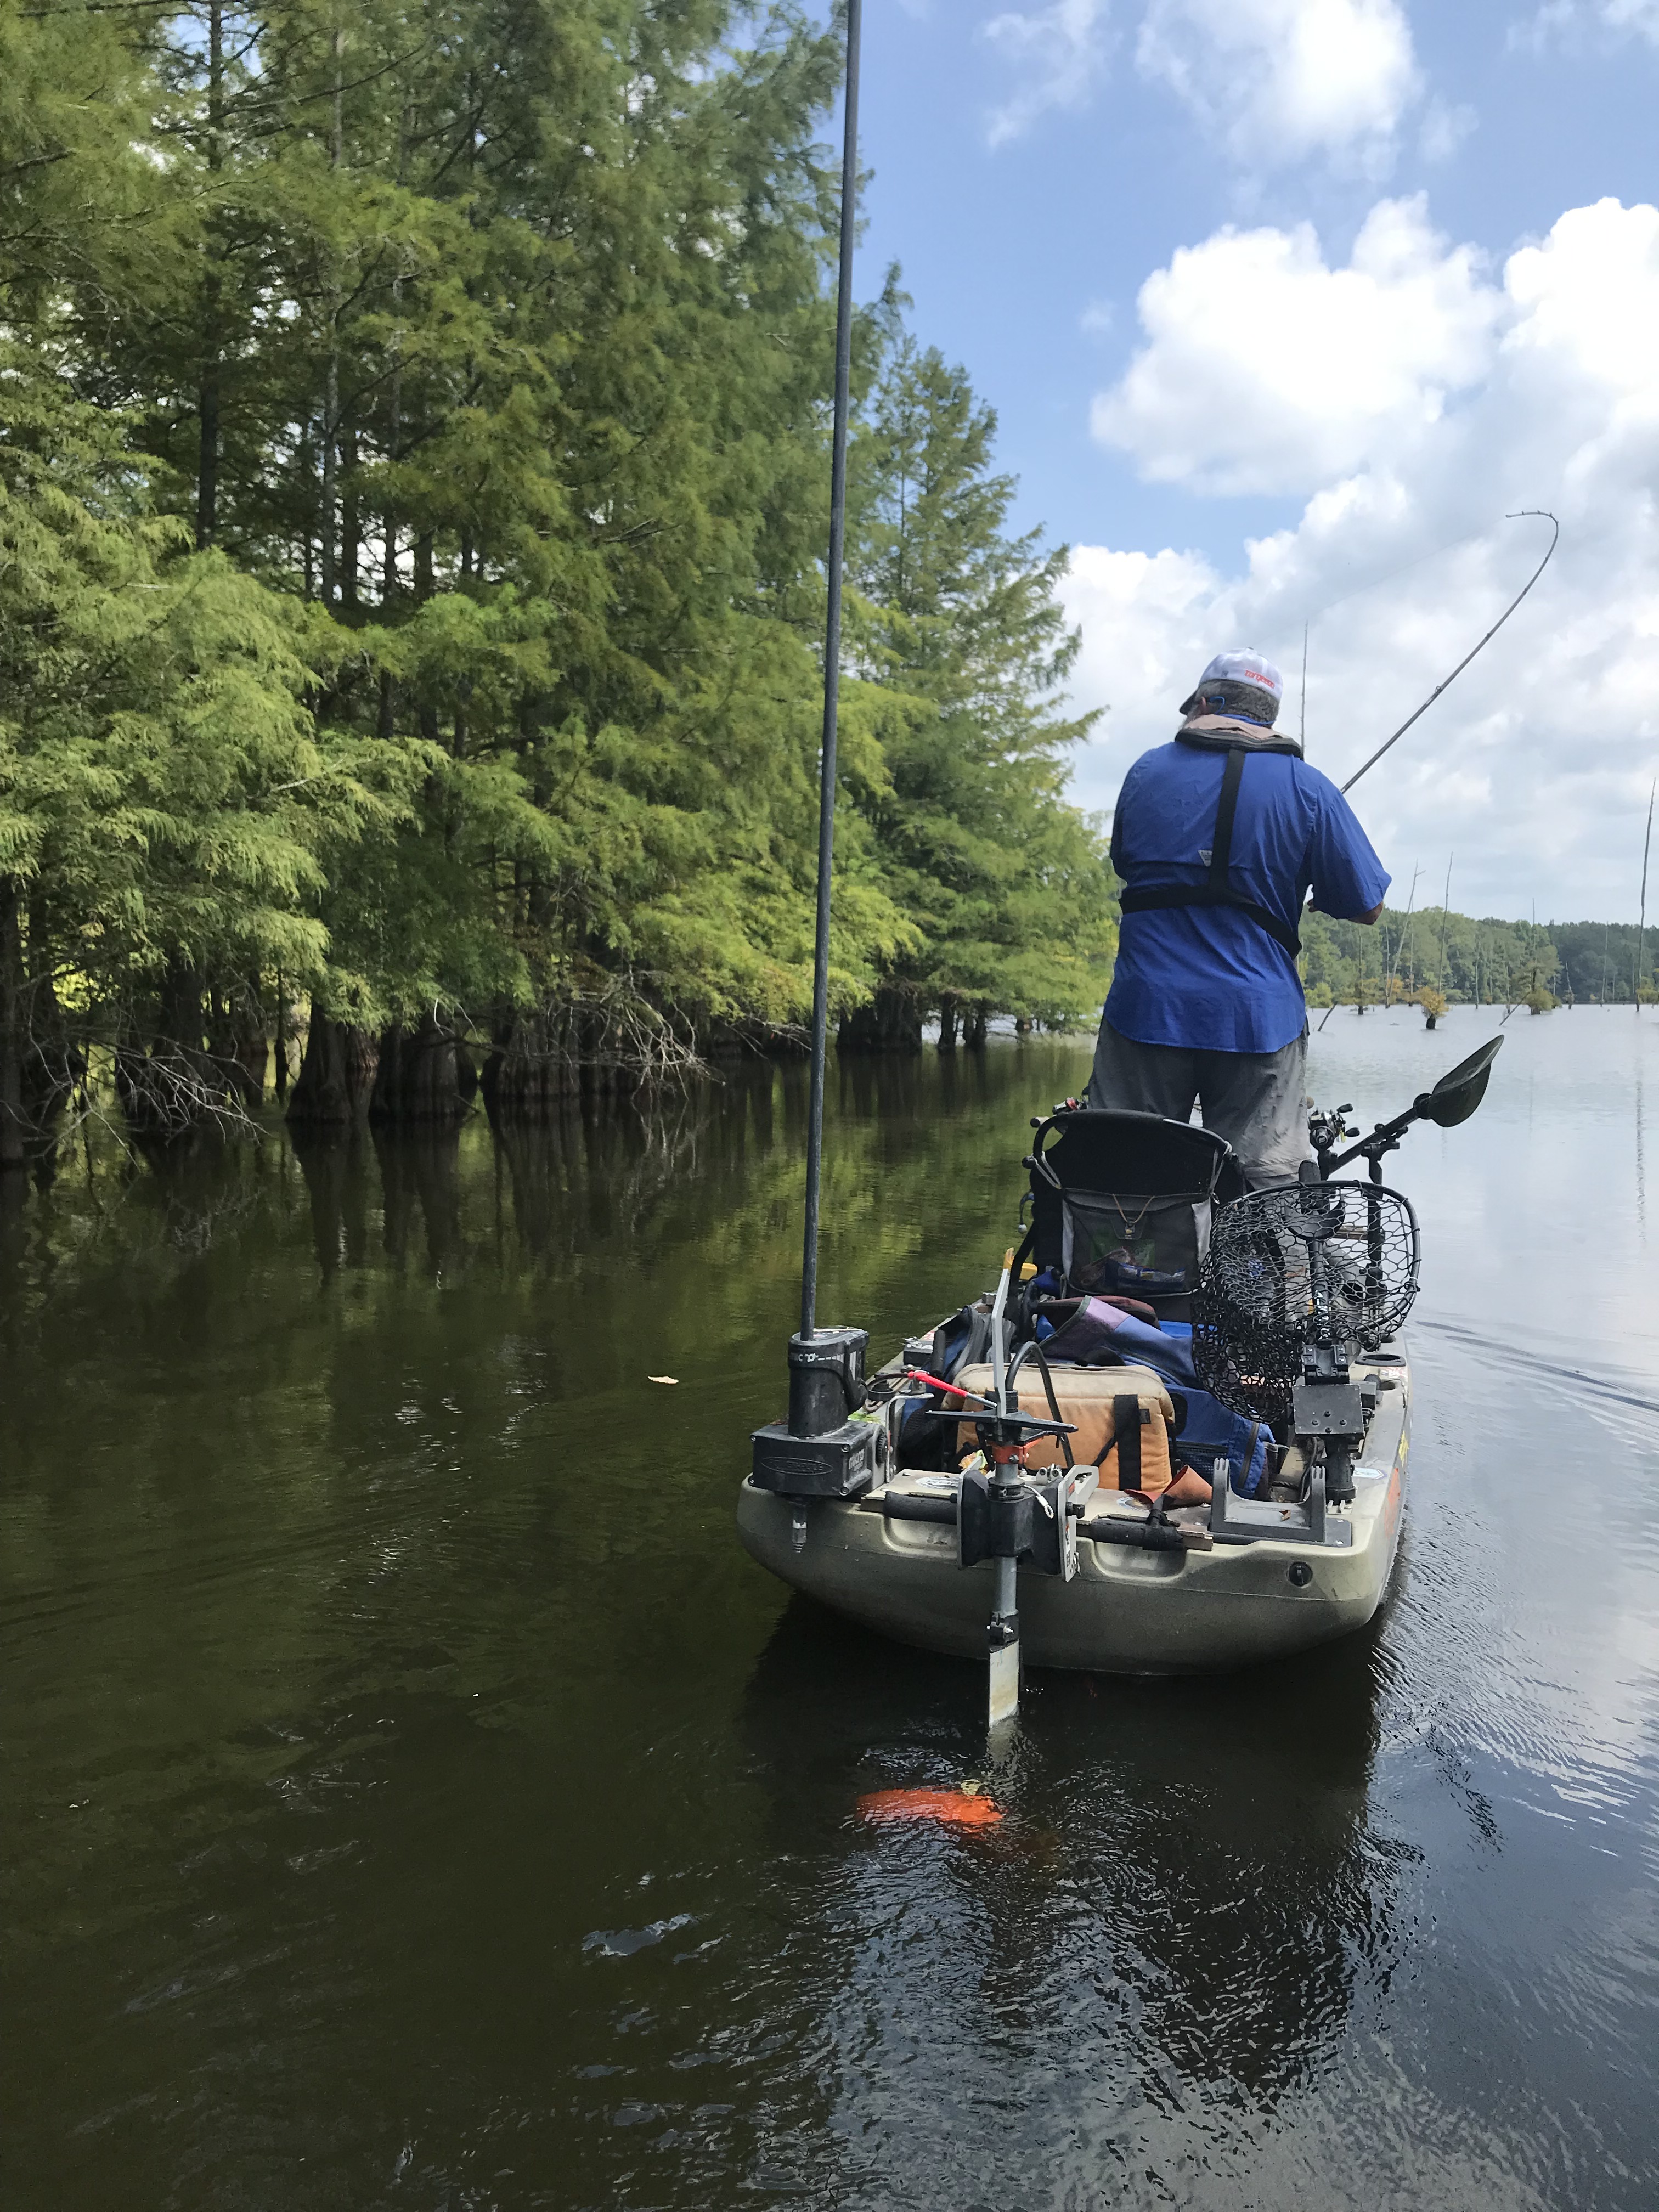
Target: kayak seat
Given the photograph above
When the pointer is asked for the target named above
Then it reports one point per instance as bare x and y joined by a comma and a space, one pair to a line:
1122, 1204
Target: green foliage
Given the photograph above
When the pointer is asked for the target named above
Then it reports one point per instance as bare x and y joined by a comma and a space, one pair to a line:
1008, 888
414, 460
1599, 959
1403, 954
166, 800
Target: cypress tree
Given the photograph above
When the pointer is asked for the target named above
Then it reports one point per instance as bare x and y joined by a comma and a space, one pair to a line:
1007, 886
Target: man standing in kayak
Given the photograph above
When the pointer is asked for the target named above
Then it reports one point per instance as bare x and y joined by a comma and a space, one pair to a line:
1218, 839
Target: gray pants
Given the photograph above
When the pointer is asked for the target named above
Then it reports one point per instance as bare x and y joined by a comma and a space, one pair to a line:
1256, 1100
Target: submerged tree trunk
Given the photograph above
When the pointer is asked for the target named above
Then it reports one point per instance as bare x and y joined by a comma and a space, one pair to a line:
178, 1082
336, 1074
237, 1043
948, 1015
973, 1030
425, 1075
52, 1063
534, 1064
890, 1023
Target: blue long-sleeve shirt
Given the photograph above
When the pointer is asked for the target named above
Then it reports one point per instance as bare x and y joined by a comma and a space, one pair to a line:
1209, 977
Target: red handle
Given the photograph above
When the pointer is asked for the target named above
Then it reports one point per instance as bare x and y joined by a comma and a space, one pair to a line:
920, 1374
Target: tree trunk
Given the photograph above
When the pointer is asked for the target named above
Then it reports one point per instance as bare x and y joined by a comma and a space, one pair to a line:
890, 1023
178, 1082
282, 1042
237, 1047
331, 373
13, 1011
351, 524
973, 1034
428, 718
424, 1076
949, 1013
307, 543
336, 1074
207, 464
532, 1067
52, 1064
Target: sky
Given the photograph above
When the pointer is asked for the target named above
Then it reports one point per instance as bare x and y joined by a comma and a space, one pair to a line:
1284, 306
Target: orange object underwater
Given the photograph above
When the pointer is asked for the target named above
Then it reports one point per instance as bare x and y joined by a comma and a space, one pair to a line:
956, 1808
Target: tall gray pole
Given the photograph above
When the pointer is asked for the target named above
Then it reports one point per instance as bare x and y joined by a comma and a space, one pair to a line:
1642, 926
849, 188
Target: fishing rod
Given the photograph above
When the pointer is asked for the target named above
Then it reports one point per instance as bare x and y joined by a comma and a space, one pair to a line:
1521, 513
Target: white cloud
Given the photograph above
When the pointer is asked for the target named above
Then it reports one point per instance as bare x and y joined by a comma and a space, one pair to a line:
1279, 80
1535, 764
1565, 22
1443, 130
1056, 56
1265, 370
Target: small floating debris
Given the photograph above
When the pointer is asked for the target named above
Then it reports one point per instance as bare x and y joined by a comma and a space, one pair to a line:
622, 1942
954, 1808
662, 1378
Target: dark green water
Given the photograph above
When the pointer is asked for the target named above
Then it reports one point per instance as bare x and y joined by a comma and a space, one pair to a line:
414, 1798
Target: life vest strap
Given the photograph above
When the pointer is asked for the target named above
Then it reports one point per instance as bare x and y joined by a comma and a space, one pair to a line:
1146, 898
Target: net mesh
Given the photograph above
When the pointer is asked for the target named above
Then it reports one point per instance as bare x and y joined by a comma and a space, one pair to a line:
1323, 1263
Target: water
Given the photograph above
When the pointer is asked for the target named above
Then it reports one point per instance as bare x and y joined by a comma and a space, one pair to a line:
416, 1799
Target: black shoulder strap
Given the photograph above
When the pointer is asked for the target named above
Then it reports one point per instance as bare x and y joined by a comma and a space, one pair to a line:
1221, 852
1214, 891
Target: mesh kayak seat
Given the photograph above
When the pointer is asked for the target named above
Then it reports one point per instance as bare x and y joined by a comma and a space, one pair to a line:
1122, 1203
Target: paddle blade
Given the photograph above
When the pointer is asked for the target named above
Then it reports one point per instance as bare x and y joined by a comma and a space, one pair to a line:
1460, 1089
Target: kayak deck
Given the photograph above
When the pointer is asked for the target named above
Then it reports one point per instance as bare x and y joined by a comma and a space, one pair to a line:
1209, 1606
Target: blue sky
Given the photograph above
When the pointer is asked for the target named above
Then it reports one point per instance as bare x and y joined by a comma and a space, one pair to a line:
1011, 251
1336, 373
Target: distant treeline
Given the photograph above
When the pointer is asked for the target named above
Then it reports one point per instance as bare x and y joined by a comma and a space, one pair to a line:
413, 494
1467, 960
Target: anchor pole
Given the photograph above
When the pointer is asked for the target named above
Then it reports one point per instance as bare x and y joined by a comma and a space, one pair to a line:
849, 185
1002, 1635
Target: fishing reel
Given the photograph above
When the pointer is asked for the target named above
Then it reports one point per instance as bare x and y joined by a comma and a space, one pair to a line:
1326, 1131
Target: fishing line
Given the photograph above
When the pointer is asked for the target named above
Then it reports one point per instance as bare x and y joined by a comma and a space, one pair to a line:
1391, 575
1545, 515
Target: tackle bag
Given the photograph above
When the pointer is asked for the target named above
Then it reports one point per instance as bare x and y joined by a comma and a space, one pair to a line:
1095, 1331
1123, 1419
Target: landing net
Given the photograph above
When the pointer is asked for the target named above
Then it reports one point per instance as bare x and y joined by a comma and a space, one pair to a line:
1292, 1269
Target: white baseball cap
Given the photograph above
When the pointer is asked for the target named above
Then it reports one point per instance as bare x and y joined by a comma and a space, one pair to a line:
1241, 666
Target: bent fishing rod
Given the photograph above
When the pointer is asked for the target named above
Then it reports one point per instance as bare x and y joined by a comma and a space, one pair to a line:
1521, 513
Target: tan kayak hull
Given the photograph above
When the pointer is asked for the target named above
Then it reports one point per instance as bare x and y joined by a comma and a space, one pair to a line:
1126, 1612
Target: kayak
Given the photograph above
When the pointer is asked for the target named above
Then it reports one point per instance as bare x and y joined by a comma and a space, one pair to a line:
1261, 1590
1173, 1440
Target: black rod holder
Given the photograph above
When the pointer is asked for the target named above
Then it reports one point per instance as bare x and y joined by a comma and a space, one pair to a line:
849, 191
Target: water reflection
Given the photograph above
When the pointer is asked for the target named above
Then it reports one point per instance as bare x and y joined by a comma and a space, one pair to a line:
1186, 1876
376, 1636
